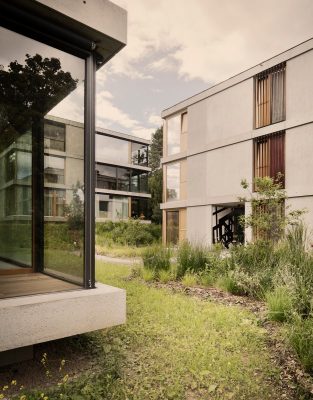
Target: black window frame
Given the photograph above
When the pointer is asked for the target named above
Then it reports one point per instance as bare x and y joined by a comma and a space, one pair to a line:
20, 18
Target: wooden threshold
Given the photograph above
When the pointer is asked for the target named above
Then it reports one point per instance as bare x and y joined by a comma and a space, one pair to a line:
32, 283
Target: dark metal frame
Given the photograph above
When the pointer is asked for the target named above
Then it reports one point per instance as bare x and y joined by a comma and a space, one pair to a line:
14, 16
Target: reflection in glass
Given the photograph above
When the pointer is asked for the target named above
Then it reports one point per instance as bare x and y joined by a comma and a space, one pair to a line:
173, 182
111, 207
41, 226
54, 135
54, 169
172, 227
112, 150
140, 208
139, 154
123, 179
173, 135
106, 177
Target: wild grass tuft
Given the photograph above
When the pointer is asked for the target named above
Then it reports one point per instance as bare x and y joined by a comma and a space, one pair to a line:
189, 280
279, 304
301, 339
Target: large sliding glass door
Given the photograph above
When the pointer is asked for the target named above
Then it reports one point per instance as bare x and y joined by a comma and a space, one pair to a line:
42, 183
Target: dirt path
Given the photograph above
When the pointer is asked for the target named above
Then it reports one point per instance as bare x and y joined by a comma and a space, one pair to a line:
119, 260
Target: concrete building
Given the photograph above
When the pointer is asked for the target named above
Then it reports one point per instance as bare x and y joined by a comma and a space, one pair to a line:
49, 53
255, 124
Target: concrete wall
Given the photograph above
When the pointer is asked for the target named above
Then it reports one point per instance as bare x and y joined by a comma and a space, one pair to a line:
218, 173
299, 88
225, 115
53, 316
199, 224
299, 160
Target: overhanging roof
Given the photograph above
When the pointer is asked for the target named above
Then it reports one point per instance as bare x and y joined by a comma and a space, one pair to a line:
92, 25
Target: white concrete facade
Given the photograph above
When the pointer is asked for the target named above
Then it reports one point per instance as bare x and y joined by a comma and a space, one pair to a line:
219, 150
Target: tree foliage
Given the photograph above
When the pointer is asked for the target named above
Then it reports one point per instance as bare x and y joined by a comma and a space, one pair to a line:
156, 175
29, 91
270, 216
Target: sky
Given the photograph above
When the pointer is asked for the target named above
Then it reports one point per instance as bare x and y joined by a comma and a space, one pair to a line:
178, 48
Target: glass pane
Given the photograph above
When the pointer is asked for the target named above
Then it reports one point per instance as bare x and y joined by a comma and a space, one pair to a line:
123, 179
173, 135
140, 208
54, 135
139, 154
112, 150
172, 227
173, 182
106, 177
41, 193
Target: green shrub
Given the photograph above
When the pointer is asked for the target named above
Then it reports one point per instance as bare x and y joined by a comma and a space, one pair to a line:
131, 233
280, 304
165, 276
189, 280
301, 339
207, 278
148, 275
228, 284
191, 258
157, 258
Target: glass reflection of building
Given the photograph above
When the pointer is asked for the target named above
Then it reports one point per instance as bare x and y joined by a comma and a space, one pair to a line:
47, 166
121, 176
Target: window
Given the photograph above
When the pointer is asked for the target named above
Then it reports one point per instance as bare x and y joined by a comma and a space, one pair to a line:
172, 227
140, 208
139, 182
112, 150
106, 177
270, 96
139, 154
177, 134
123, 179
54, 169
54, 135
112, 207
54, 203
173, 182
269, 156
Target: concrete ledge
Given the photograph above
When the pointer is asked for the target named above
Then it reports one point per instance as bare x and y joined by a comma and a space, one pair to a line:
28, 320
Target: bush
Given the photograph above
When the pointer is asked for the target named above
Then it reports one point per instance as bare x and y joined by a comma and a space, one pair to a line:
189, 280
191, 258
157, 258
148, 275
131, 233
229, 284
279, 303
165, 276
301, 339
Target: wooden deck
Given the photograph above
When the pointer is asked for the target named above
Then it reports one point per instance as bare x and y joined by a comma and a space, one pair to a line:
33, 283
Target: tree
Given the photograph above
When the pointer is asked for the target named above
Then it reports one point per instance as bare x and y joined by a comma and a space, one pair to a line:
28, 92
156, 175
270, 216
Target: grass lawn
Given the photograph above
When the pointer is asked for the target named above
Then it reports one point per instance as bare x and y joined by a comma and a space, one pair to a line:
175, 347
115, 250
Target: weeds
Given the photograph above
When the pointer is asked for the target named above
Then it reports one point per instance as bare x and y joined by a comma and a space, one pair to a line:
279, 304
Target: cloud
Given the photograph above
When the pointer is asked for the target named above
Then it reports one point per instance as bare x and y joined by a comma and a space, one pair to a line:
209, 39
155, 120
111, 116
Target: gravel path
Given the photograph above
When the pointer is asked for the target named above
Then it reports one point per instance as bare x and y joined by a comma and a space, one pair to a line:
118, 260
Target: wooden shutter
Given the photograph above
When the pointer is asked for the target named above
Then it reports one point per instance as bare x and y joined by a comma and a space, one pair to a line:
270, 96
277, 156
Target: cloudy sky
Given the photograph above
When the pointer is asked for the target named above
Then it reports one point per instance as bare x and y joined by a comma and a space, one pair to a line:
178, 48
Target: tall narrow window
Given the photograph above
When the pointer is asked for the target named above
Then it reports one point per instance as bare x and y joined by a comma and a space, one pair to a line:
269, 156
270, 96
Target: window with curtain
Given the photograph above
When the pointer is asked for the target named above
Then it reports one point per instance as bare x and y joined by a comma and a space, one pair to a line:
269, 156
270, 96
